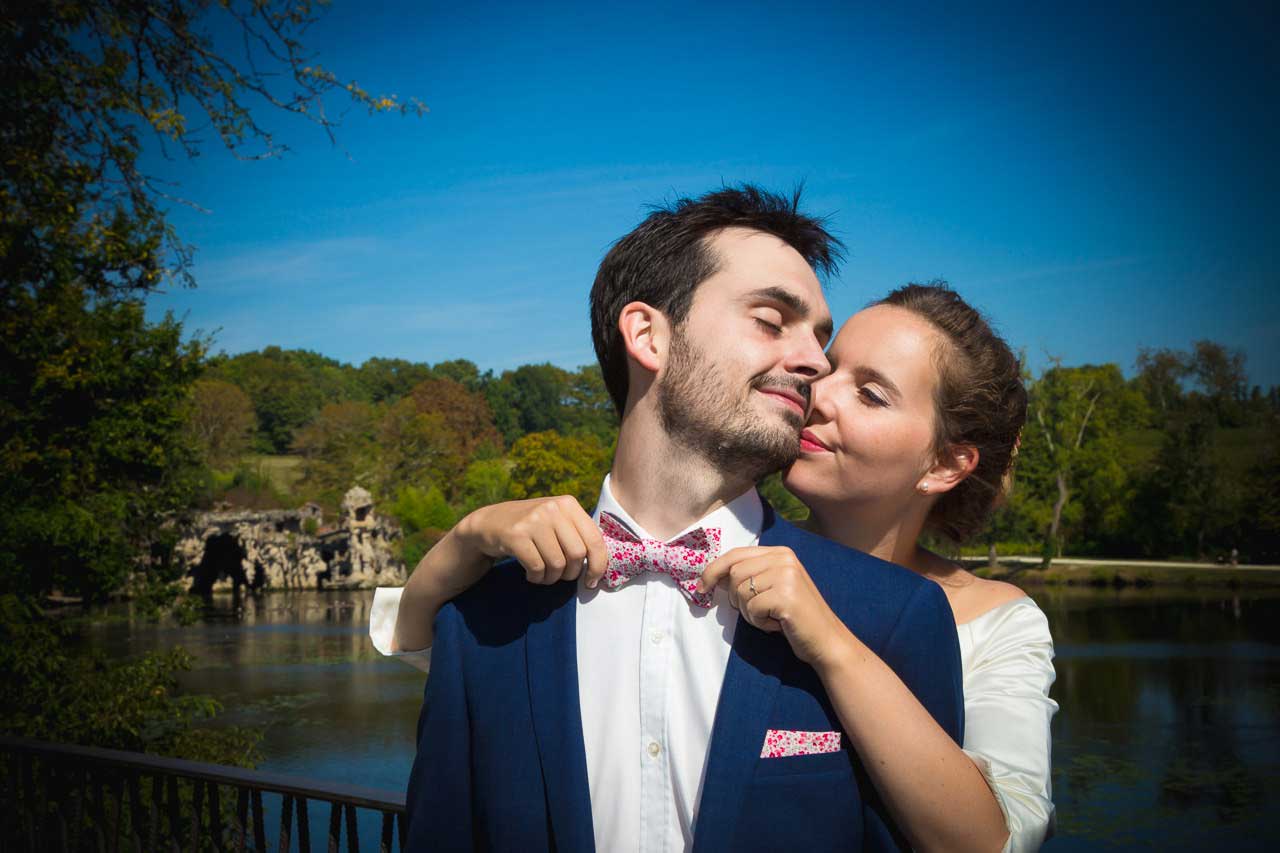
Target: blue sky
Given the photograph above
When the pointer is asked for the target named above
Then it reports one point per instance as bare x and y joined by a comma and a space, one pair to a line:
1095, 179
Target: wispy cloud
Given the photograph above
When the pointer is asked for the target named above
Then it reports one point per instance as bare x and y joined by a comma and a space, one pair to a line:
287, 264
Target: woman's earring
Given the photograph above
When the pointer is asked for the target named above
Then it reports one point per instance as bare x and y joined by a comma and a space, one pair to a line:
924, 488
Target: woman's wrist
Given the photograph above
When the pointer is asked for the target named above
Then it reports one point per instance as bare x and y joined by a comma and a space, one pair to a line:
842, 656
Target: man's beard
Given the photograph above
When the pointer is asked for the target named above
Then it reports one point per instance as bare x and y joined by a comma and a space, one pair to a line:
700, 412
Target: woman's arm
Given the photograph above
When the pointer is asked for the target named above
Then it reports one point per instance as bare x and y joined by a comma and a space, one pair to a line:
552, 538
936, 794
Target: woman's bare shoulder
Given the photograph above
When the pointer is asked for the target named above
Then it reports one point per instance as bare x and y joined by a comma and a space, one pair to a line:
980, 596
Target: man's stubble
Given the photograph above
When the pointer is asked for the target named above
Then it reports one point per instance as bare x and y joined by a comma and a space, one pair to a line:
700, 411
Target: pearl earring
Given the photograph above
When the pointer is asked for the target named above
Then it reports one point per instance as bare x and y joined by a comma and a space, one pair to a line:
924, 488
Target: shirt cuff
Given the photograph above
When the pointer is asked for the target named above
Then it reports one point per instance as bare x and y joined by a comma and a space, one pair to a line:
382, 628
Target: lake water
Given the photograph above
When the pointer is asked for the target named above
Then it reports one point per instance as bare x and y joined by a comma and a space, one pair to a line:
1168, 735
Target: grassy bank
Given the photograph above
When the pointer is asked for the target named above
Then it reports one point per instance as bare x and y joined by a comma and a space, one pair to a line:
1026, 572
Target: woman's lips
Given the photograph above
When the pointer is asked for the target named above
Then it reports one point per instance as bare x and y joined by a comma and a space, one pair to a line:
809, 443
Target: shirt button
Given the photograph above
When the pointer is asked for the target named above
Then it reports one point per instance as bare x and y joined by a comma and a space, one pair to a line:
656, 637
654, 749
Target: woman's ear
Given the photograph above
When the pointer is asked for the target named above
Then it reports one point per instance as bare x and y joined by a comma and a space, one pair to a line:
645, 334
952, 466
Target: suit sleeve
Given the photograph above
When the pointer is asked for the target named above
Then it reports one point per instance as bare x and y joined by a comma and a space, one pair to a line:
439, 796
923, 649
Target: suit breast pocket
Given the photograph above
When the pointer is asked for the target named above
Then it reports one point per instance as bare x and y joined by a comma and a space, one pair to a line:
802, 802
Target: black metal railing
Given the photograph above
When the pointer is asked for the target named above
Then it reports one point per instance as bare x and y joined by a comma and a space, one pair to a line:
61, 797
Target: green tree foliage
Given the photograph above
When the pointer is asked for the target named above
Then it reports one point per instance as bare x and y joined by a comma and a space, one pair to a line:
424, 515
485, 482
547, 463
288, 388
84, 80
1189, 498
465, 414
386, 380
58, 690
1219, 373
464, 372
339, 449
220, 422
93, 439
1071, 448
415, 449
1160, 376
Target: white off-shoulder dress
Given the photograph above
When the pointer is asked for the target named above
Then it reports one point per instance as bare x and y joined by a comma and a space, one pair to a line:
1007, 660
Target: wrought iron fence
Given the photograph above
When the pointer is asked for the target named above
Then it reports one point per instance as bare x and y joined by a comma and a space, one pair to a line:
72, 798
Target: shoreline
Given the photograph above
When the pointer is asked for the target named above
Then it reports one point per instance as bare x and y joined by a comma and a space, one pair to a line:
1069, 571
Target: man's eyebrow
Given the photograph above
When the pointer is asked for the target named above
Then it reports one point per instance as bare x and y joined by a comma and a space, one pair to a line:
824, 326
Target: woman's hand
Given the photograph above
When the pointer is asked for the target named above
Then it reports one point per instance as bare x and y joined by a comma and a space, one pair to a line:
553, 538
784, 599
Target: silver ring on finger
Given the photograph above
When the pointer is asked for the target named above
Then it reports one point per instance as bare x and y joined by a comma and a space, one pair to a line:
751, 585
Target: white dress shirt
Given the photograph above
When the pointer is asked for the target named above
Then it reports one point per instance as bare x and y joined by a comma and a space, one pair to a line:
650, 667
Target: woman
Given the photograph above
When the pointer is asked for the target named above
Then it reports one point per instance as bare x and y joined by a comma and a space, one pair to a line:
915, 429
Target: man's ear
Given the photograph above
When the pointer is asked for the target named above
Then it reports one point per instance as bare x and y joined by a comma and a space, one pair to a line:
955, 463
646, 334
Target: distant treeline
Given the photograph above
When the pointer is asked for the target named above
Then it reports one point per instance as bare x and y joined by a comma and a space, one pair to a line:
1180, 460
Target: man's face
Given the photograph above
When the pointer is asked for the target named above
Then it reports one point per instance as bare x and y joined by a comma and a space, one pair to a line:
736, 384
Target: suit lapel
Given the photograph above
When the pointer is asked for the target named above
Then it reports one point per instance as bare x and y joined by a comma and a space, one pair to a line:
552, 661
747, 697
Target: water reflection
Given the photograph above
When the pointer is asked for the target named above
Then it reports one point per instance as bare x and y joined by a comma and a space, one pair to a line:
1168, 734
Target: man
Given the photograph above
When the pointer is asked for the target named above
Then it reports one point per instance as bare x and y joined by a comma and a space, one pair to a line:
561, 717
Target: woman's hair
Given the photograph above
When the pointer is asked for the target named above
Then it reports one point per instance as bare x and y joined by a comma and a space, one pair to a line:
980, 401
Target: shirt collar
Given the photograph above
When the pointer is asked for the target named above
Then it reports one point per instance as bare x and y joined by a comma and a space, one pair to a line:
740, 520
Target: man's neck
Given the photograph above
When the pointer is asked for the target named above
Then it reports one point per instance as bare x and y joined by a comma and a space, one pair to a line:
666, 487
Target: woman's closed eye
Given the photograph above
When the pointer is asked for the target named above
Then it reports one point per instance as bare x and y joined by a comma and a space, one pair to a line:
872, 397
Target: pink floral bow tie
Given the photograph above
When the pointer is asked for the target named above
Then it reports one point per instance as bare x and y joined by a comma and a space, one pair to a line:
683, 559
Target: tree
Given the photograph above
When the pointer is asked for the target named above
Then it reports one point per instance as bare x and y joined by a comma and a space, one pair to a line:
465, 413
220, 421
288, 388
1220, 373
93, 440
85, 79
91, 430
416, 449
485, 482
1071, 443
1160, 376
547, 463
338, 448
464, 372
529, 399
386, 380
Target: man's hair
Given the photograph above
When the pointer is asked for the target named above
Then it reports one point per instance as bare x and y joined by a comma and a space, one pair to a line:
667, 256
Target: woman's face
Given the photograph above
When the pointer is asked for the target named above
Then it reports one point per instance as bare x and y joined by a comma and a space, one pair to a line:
870, 433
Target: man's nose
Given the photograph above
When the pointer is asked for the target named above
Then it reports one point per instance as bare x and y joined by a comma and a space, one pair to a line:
808, 359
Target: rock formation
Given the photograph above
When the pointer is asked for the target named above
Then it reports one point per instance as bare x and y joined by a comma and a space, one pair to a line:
292, 549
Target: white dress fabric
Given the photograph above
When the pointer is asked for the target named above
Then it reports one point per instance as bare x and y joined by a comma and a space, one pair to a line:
1007, 662
1007, 659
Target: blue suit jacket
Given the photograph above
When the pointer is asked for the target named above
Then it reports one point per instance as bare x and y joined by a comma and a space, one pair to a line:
501, 765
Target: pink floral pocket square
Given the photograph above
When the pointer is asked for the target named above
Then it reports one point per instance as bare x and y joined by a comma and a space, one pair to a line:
784, 743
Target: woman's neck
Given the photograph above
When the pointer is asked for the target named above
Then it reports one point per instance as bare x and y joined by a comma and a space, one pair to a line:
892, 537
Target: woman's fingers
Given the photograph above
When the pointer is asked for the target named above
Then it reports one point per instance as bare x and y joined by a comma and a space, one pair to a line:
597, 553
721, 566
545, 539
758, 611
